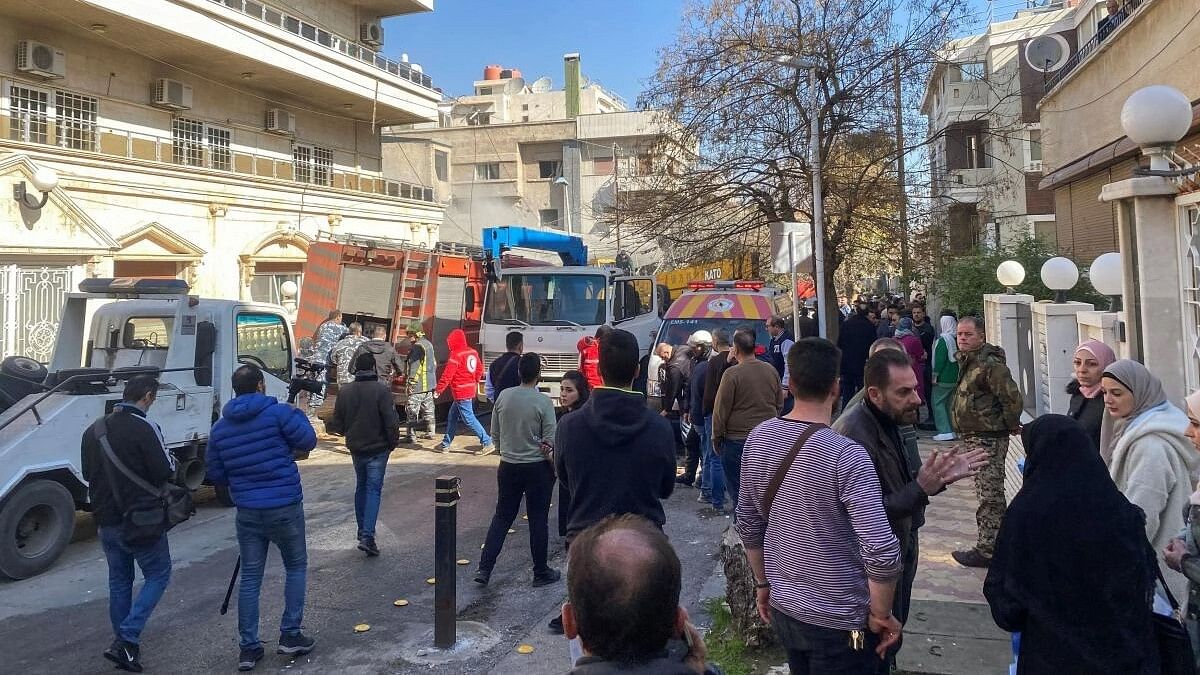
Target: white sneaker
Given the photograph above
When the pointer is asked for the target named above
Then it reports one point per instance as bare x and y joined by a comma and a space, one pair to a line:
944, 437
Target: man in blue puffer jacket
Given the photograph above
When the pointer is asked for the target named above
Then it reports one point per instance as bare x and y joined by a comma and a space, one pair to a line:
252, 449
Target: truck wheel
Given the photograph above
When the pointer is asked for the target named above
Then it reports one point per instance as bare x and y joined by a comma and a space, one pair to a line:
36, 523
223, 495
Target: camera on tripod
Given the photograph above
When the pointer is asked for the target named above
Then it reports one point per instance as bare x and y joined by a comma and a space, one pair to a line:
308, 378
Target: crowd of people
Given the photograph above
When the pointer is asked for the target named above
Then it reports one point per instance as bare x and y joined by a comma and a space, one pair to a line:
810, 447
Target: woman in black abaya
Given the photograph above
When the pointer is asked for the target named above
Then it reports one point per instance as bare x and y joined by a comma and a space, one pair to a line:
1073, 572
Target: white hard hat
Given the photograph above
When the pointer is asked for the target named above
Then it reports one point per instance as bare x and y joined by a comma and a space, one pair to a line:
700, 337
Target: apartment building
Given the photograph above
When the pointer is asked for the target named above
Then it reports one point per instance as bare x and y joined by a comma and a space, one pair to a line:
520, 153
985, 156
208, 140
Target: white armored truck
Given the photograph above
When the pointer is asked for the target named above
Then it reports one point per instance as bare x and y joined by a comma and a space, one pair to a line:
139, 326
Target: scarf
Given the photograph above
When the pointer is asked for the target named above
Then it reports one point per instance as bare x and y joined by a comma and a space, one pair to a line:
905, 327
1147, 392
1104, 356
1193, 410
949, 336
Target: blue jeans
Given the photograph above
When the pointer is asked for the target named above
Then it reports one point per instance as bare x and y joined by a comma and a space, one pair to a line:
466, 408
128, 616
731, 462
714, 472
368, 489
256, 529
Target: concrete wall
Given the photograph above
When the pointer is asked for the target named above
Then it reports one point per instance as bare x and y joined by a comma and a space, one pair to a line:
1158, 44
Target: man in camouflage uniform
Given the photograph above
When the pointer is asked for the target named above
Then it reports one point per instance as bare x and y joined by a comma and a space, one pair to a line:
986, 410
341, 357
327, 335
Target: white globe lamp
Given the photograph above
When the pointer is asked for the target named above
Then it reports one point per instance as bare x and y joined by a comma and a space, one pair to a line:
1107, 278
1155, 118
1010, 274
1060, 275
288, 289
45, 179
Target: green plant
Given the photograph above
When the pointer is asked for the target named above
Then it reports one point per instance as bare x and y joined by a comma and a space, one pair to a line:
728, 651
964, 280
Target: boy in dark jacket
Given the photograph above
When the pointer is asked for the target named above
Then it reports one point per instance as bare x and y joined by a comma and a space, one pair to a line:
137, 442
366, 415
252, 450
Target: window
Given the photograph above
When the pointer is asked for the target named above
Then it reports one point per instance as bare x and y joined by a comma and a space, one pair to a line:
603, 166
548, 218
265, 287
633, 297
524, 106
28, 109
645, 165
484, 91
187, 141
76, 116
313, 164
219, 156
262, 340
1035, 145
147, 332
549, 168
524, 118
479, 119
974, 152
975, 70
546, 300
487, 171
441, 165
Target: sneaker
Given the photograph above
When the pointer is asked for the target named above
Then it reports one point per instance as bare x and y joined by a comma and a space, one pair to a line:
367, 545
546, 577
703, 498
425, 436
482, 577
486, 450
555, 625
249, 657
295, 645
944, 437
125, 655
972, 558
443, 448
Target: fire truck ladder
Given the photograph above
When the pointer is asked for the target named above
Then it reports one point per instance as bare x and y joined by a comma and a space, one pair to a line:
416, 278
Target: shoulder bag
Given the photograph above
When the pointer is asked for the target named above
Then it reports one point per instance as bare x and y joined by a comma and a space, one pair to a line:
149, 516
1174, 643
785, 465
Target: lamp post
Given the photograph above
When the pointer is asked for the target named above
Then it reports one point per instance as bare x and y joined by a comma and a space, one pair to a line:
1106, 277
1010, 274
1060, 275
566, 186
1155, 118
818, 207
287, 295
44, 180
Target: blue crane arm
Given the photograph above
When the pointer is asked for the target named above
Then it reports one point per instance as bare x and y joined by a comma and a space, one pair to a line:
497, 240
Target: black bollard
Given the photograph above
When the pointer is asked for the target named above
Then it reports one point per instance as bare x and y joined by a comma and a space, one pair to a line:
445, 536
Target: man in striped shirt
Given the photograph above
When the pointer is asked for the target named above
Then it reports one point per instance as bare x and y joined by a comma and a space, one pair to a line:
827, 563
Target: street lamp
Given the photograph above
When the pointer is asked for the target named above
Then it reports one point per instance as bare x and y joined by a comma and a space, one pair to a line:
287, 295
44, 180
1108, 279
1155, 118
818, 208
1060, 275
1010, 274
566, 201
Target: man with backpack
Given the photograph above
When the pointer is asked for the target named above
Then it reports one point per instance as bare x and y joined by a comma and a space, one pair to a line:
137, 444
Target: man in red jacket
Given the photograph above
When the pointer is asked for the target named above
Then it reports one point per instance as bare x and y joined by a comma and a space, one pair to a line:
589, 356
461, 377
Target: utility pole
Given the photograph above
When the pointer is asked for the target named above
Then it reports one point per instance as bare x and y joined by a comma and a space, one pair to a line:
616, 195
900, 186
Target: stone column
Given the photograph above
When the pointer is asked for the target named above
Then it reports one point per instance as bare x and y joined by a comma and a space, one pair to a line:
1010, 327
1055, 336
1107, 327
1149, 241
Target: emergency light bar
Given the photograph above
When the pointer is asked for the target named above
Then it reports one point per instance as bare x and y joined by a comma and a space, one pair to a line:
735, 285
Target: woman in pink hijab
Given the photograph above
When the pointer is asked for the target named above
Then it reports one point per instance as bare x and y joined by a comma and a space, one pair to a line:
1087, 404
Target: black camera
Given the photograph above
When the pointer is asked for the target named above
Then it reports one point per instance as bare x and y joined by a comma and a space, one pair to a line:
306, 378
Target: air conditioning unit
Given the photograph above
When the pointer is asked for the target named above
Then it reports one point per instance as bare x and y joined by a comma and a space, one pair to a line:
280, 121
171, 94
41, 59
370, 33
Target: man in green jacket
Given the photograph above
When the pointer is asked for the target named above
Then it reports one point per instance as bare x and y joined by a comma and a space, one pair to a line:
985, 411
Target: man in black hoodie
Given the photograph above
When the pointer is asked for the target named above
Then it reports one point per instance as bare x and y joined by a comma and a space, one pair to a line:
387, 362
365, 415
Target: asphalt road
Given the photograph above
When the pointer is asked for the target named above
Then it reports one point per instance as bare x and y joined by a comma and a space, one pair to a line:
58, 622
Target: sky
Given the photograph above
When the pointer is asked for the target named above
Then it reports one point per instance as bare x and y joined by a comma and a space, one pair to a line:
617, 40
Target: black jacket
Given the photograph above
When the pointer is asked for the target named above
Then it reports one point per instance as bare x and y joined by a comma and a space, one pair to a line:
504, 373
855, 340
809, 327
137, 444
903, 499
1089, 412
674, 388
366, 416
718, 363
615, 455
387, 362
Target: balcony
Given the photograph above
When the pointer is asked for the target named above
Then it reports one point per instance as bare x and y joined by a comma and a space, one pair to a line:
1105, 32
106, 143
963, 185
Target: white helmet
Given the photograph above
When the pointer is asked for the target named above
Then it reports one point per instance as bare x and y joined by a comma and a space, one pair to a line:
700, 337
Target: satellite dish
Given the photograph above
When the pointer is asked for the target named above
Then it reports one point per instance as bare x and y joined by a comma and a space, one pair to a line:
517, 84
541, 85
1046, 53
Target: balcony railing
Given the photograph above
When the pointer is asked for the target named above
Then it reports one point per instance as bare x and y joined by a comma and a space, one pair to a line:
295, 26
101, 141
1107, 27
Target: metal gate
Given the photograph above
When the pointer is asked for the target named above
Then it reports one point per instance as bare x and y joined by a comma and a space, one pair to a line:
31, 301
1189, 269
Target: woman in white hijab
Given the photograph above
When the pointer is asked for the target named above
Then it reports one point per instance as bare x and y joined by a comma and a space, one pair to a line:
1152, 461
945, 377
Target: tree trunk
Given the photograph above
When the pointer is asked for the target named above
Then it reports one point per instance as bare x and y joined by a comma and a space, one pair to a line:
739, 593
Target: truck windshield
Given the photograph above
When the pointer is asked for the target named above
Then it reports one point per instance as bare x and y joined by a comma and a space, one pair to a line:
547, 300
